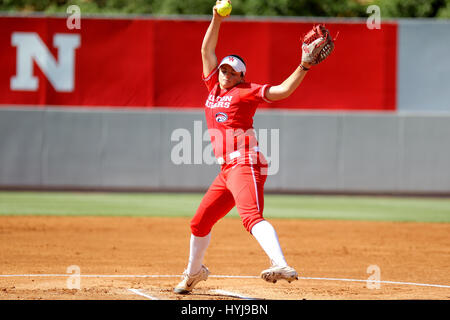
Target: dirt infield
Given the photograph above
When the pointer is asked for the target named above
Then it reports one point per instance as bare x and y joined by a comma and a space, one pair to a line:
116, 254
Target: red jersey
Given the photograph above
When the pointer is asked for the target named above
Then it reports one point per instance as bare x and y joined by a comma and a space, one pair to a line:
229, 117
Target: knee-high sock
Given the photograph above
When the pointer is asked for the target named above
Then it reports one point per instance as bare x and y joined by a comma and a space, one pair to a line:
267, 237
198, 246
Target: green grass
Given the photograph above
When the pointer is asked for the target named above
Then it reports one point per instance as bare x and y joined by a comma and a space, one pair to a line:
185, 204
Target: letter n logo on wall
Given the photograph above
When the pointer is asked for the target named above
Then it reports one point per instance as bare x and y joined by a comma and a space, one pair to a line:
59, 72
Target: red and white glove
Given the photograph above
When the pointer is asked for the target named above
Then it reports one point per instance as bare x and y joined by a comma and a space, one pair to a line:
317, 45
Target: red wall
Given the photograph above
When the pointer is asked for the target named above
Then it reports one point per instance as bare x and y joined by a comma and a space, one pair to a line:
153, 63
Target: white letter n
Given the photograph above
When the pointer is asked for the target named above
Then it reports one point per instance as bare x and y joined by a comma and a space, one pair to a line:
59, 73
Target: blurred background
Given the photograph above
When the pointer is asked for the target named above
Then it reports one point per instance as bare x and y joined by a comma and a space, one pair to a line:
101, 114
94, 106
310, 8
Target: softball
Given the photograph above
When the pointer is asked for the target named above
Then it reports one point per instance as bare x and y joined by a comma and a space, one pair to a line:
224, 8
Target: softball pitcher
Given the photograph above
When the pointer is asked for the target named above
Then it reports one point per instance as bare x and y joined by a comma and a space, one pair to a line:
229, 110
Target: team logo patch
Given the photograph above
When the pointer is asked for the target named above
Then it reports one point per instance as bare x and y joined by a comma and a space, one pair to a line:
221, 117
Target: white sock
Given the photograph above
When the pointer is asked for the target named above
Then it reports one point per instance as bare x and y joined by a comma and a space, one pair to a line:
198, 246
267, 237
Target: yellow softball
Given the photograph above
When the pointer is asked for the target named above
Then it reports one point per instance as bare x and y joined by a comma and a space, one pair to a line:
224, 8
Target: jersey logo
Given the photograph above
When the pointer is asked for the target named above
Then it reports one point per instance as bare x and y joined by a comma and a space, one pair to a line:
221, 117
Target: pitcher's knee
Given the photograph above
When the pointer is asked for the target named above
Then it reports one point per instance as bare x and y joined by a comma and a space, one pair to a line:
249, 222
199, 230
201, 224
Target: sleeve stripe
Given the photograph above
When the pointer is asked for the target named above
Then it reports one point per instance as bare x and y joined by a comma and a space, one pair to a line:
211, 74
263, 91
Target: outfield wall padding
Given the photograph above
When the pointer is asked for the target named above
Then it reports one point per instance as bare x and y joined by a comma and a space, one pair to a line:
155, 62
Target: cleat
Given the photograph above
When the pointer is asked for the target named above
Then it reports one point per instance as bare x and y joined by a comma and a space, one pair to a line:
275, 273
189, 281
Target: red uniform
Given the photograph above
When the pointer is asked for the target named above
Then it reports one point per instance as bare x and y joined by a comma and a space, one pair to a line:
229, 117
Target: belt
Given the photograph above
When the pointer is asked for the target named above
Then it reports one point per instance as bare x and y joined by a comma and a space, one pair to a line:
234, 155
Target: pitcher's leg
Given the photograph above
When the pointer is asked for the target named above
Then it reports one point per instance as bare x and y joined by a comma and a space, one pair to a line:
247, 185
216, 203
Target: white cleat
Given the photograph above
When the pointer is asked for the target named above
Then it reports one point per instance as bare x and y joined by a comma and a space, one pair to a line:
188, 283
275, 273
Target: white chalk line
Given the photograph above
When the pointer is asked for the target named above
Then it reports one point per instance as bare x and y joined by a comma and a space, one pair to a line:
379, 281
232, 294
117, 276
220, 276
140, 293
219, 292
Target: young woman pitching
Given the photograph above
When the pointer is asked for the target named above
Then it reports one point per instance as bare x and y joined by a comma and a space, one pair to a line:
229, 111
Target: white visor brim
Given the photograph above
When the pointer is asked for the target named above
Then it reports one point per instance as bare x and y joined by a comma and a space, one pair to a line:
235, 63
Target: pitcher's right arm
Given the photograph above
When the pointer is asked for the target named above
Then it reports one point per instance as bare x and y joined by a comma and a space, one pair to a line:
209, 58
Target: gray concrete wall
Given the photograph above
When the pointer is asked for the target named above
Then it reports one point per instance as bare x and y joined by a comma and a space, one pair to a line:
318, 152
